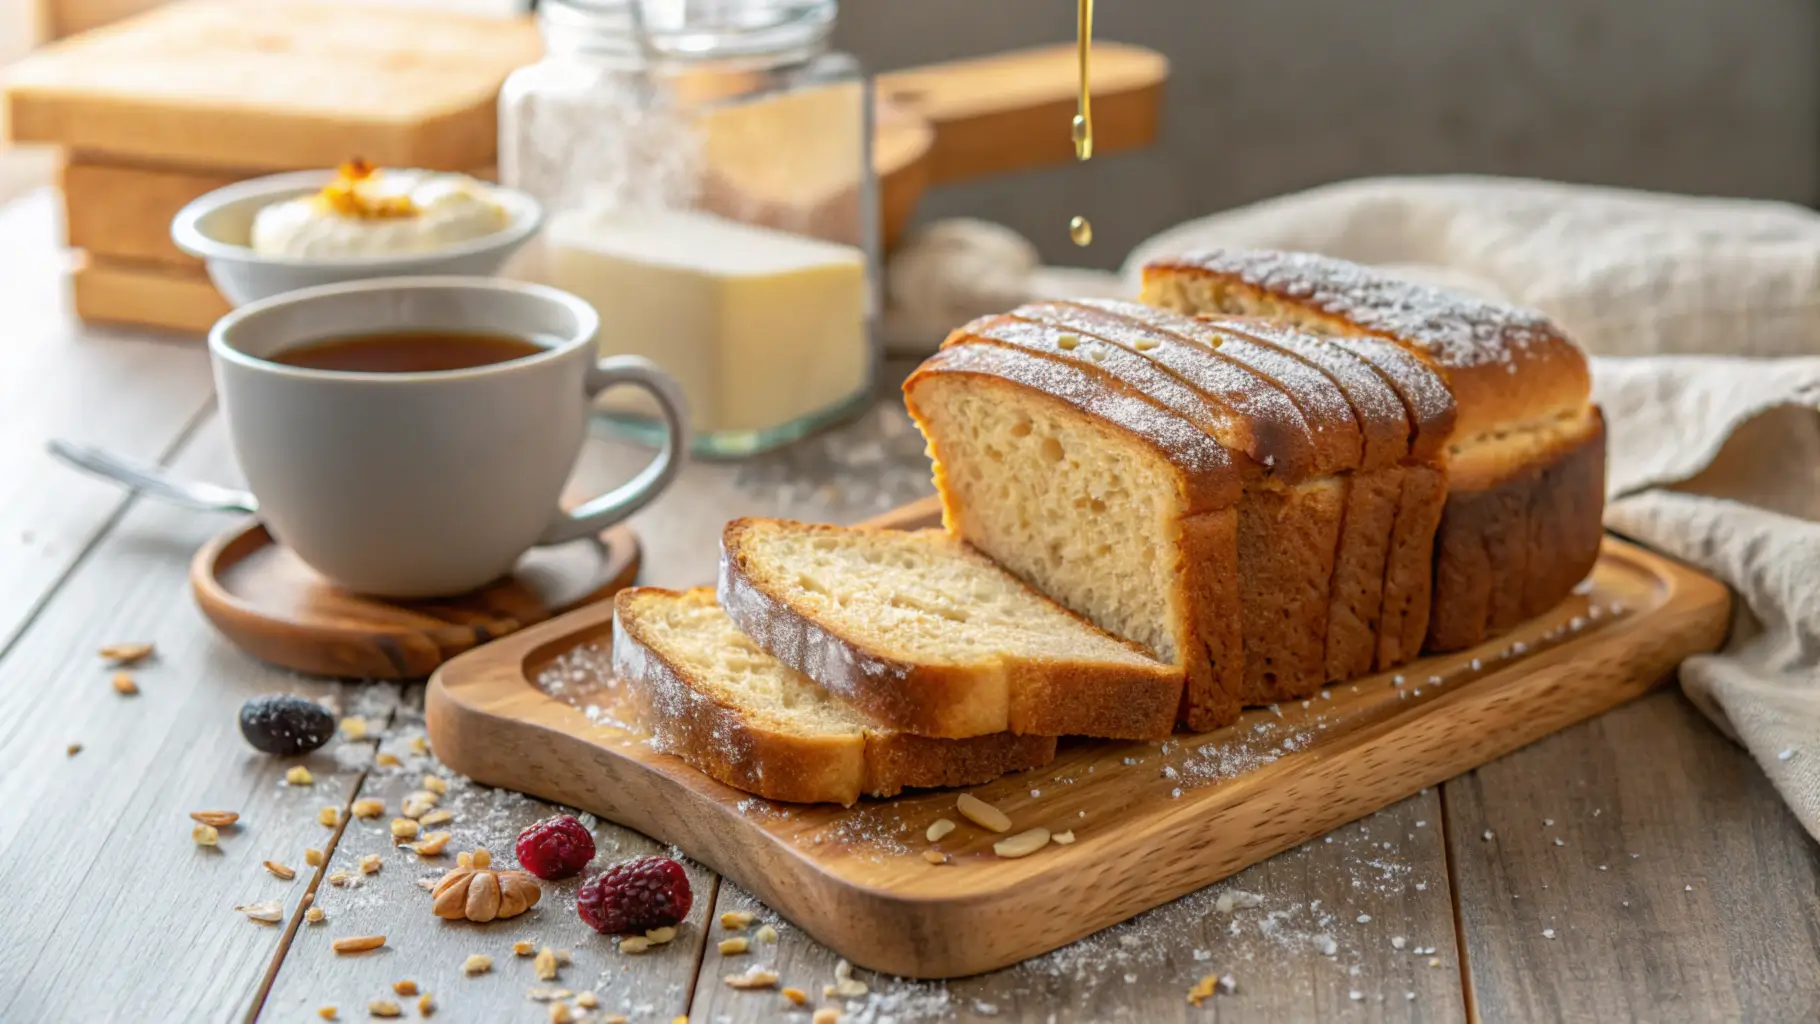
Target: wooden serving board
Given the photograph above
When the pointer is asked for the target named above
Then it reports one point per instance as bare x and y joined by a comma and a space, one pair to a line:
1152, 821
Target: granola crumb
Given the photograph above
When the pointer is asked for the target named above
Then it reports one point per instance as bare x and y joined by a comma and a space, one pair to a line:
370, 863
298, 775
367, 807
313, 857
524, 947
545, 963
756, 976
124, 685
329, 816
280, 870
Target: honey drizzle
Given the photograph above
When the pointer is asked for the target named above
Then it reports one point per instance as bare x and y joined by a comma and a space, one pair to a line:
1079, 229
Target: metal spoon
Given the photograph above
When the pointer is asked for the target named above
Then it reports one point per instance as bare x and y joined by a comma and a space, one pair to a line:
150, 479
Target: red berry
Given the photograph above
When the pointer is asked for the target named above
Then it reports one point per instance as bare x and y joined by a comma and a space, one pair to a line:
637, 896
555, 848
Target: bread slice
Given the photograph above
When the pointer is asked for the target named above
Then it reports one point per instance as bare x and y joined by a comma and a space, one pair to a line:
924, 633
713, 698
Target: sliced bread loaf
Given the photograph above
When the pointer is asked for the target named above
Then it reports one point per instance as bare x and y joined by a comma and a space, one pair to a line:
929, 636
713, 698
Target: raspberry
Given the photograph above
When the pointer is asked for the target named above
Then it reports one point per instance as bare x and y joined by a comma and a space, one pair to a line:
555, 848
637, 896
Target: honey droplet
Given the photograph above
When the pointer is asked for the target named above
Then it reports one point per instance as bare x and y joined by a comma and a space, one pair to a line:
1083, 138
1080, 230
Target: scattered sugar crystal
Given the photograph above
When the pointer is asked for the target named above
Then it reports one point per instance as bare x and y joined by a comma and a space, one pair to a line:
1327, 945
1548, 933
1202, 956
1421, 886
1355, 995
1364, 918
1397, 942
1785, 753
1546, 822
1558, 842
1487, 836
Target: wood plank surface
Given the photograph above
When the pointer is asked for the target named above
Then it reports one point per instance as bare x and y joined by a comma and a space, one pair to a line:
1356, 892
1639, 867
125, 910
430, 951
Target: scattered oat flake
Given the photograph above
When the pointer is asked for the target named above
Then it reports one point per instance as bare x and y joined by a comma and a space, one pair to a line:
280, 870
126, 654
796, 996
736, 945
404, 828
587, 1000
937, 829
476, 963
436, 817
825, 1015
357, 943
633, 945
756, 976
354, 727
312, 857
436, 784
431, 845
545, 963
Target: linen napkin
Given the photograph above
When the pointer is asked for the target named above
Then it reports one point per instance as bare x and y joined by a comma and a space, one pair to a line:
1704, 319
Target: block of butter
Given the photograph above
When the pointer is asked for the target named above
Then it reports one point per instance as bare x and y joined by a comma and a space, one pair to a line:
760, 326
228, 84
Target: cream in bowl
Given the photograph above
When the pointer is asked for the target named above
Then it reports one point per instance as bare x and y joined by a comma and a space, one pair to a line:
366, 211
276, 234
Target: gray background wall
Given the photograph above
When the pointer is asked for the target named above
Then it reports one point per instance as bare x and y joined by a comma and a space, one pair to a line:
1267, 96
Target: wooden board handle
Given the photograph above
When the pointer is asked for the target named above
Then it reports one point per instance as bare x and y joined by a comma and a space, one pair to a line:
1012, 111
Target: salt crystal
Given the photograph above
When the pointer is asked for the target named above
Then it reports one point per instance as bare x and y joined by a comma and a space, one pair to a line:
1558, 842
1364, 918
1785, 754
1397, 942
1546, 822
1421, 886
1548, 933
1327, 945
1355, 995
1487, 836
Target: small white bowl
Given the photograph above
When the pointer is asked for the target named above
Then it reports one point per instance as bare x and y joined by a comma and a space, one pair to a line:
217, 228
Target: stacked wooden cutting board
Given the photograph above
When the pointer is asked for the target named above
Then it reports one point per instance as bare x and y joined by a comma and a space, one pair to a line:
154, 111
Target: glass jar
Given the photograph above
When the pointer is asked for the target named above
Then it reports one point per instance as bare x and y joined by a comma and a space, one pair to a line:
706, 172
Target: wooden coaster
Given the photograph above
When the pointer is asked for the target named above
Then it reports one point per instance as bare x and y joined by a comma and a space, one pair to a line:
272, 606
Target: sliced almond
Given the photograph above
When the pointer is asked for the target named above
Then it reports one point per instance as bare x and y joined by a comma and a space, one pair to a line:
476, 963
431, 845
635, 944
357, 943
370, 863
1023, 844
524, 948
935, 856
383, 1008
982, 813
404, 828
387, 759
436, 784
418, 804
219, 819
545, 964
367, 808
268, 912
658, 936
280, 870
436, 817
756, 976
939, 828
127, 654
1063, 838
735, 919
734, 946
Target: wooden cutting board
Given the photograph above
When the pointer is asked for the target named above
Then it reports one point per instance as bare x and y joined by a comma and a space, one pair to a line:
1151, 821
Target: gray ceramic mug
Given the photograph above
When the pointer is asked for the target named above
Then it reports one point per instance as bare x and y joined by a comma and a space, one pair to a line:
427, 484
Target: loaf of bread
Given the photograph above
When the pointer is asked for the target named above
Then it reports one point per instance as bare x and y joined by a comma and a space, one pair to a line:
711, 697
1265, 506
1525, 458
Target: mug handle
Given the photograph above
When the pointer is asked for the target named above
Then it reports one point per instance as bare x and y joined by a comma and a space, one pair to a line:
603, 511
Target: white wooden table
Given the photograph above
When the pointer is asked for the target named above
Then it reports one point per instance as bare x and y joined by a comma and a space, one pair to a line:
1638, 866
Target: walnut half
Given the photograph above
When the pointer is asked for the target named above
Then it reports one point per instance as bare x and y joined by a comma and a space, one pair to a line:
474, 891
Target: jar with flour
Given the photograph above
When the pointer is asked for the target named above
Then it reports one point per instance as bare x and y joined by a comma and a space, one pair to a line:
706, 169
